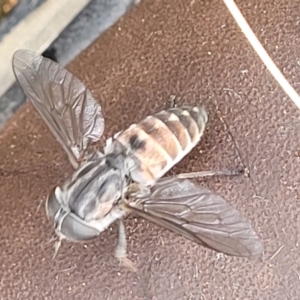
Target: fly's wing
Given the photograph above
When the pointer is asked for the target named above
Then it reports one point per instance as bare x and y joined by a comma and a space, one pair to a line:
199, 215
62, 100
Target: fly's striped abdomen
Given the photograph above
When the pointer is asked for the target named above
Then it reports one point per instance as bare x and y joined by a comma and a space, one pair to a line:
162, 140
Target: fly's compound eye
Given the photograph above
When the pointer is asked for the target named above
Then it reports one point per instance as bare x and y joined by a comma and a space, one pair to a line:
67, 224
75, 229
52, 206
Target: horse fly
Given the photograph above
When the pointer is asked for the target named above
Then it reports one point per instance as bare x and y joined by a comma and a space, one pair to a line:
127, 177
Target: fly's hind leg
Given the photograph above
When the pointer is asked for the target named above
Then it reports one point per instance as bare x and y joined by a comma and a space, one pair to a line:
121, 253
238, 171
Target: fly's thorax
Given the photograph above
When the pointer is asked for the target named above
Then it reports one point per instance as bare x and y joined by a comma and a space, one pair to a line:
160, 141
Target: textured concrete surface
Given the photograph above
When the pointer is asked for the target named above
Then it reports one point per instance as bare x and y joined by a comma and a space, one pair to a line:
195, 51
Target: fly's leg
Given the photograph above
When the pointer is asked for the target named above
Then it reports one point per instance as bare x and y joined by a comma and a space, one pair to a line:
39, 206
238, 171
121, 253
172, 101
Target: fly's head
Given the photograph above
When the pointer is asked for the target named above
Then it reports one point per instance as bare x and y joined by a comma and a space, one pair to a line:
85, 204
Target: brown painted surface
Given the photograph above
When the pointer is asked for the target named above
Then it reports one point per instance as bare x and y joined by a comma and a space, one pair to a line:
194, 50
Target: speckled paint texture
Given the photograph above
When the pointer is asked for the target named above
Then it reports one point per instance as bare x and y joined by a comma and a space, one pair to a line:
195, 51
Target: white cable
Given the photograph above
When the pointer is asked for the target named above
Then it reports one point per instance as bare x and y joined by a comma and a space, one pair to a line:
261, 52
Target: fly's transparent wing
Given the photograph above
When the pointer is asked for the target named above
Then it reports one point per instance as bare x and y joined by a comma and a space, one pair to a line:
62, 100
199, 215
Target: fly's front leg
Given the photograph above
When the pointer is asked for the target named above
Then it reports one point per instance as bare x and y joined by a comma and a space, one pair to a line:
121, 253
238, 171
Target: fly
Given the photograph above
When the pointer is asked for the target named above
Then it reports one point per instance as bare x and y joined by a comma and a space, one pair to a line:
128, 176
